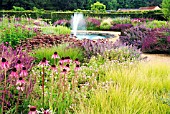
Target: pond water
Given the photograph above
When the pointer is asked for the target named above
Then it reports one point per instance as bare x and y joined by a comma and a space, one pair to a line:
91, 36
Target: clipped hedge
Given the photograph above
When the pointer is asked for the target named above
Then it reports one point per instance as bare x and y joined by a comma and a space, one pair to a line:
67, 15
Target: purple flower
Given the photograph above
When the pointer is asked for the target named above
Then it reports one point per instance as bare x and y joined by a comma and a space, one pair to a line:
77, 61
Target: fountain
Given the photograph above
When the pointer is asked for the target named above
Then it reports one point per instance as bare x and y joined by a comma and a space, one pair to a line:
78, 23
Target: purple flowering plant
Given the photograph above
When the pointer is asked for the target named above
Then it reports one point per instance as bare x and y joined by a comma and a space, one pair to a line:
16, 83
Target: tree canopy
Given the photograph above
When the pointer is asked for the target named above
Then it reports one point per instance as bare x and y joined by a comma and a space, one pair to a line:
76, 4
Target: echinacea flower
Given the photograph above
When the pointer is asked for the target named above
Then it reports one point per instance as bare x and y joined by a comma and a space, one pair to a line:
19, 65
64, 72
20, 84
43, 62
4, 64
55, 55
67, 60
53, 67
32, 110
67, 67
14, 73
24, 72
77, 61
61, 61
77, 68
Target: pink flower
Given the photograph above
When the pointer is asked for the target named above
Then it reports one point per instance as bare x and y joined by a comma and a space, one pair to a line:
46, 112
67, 67
4, 64
53, 67
19, 65
55, 55
32, 110
77, 61
63, 72
20, 84
67, 60
61, 61
14, 73
24, 72
44, 62
77, 68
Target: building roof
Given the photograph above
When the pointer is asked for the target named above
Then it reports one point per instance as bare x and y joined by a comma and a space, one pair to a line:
149, 8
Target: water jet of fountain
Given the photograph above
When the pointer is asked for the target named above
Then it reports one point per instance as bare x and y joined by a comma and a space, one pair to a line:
78, 23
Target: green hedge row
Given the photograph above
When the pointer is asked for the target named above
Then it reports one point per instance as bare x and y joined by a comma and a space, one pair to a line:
67, 15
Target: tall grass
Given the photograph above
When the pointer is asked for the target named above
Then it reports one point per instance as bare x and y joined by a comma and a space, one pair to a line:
62, 51
136, 90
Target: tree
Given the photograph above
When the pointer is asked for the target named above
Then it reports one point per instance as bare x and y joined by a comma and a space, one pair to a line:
98, 7
166, 8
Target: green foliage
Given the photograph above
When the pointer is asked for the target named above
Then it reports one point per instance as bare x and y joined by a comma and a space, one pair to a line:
166, 8
62, 51
39, 12
105, 25
56, 30
121, 20
13, 33
16, 8
98, 7
157, 24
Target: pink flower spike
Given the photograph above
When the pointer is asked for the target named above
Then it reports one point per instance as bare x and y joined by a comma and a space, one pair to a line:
14, 73
43, 62
24, 72
4, 64
19, 65
55, 55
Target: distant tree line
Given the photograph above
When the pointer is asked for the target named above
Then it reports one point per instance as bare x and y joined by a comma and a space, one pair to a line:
76, 4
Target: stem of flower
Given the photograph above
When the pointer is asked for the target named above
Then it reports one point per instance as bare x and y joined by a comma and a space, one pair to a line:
16, 110
43, 85
3, 95
52, 82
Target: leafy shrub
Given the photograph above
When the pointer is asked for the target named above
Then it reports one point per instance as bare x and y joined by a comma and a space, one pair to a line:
157, 24
16, 8
121, 27
105, 25
16, 98
93, 23
166, 8
157, 41
98, 7
13, 33
56, 30
149, 40
138, 21
134, 36
122, 54
121, 20
62, 50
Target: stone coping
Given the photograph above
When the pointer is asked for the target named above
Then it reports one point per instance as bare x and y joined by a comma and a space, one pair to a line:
113, 36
